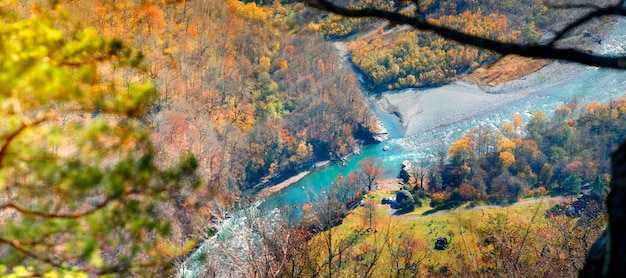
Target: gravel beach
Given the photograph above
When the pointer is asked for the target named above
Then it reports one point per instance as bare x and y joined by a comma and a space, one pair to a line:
424, 109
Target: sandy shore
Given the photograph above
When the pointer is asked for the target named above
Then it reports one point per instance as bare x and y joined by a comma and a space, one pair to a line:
273, 189
425, 109
265, 192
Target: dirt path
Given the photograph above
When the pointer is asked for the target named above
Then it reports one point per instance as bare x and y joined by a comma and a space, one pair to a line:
549, 200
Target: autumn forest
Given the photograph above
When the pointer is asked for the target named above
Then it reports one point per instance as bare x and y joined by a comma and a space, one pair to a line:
132, 130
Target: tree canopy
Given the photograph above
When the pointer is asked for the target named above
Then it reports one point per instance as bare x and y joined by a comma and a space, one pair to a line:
79, 190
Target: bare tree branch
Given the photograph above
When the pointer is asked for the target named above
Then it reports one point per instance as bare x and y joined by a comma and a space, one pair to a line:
546, 51
596, 13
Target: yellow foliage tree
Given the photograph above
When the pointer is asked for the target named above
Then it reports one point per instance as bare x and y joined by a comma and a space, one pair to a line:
462, 150
505, 145
507, 159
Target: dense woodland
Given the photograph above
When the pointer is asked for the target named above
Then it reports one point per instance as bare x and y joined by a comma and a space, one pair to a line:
252, 102
396, 57
555, 155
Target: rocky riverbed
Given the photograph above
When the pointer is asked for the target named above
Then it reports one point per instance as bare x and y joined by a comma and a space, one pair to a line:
426, 109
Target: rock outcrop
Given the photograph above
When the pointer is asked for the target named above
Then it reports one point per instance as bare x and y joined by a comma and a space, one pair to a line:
405, 171
379, 132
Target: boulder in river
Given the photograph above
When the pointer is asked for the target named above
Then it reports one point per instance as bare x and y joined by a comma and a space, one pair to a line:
379, 132
385, 148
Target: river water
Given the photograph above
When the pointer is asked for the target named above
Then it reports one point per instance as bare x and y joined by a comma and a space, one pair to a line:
589, 84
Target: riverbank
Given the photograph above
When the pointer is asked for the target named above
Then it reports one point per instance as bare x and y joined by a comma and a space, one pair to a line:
426, 109
265, 192
268, 191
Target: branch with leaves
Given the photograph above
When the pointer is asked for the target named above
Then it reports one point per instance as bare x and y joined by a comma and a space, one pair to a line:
79, 188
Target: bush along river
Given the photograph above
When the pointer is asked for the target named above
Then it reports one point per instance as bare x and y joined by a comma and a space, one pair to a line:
230, 247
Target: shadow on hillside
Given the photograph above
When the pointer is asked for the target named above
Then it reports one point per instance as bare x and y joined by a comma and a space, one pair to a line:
403, 211
456, 204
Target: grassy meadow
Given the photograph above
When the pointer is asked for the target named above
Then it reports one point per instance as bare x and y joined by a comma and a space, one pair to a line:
476, 234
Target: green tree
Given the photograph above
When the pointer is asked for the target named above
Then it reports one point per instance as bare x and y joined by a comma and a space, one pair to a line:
598, 188
79, 189
537, 124
571, 185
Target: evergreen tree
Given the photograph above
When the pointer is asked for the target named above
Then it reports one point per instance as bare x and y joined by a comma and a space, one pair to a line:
598, 189
571, 186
